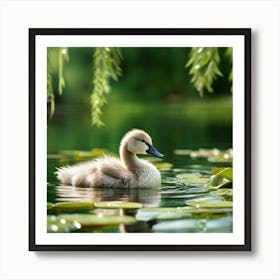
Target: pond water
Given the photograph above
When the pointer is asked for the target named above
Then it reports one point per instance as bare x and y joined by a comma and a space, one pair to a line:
185, 202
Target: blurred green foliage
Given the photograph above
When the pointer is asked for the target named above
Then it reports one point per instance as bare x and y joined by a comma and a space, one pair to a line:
204, 68
106, 66
85, 75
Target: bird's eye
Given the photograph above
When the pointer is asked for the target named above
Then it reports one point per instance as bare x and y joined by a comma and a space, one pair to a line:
141, 140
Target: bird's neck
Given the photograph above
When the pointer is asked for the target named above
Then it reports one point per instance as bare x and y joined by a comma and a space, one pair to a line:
130, 160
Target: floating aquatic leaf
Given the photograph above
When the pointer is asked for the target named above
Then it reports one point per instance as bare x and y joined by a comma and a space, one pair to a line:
219, 159
221, 224
75, 205
90, 220
82, 155
193, 179
223, 156
169, 181
204, 153
215, 181
78, 155
211, 212
49, 205
205, 197
147, 214
213, 155
55, 224
163, 165
182, 152
53, 156
67, 152
118, 205
222, 191
167, 213
223, 172
221, 179
183, 225
97, 152
186, 195
216, 170
211, 203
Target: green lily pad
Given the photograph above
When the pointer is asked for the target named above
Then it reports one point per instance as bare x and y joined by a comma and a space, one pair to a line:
213, 155
55, 224
221, 224
223, 172
217, 182
211, 204
91, 220
49, 205
216, 170
183, 225
222, 178
182, 152
81, 205
163, 165
193, 179
97, 152
219, 160
211, 212
169, 213
223, 156
205, 153
203, 198
222, 192
118, 205
147, 214
82, 155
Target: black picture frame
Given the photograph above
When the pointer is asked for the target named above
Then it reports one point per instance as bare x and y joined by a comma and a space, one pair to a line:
246, 33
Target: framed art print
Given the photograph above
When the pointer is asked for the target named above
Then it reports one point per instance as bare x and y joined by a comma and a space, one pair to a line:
140, 139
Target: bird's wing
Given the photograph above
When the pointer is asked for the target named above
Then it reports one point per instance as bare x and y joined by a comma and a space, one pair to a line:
114, 168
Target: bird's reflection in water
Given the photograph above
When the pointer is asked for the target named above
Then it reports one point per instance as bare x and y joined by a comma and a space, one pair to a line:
148, 197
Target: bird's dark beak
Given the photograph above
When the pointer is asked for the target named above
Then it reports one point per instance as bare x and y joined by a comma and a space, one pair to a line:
154, 152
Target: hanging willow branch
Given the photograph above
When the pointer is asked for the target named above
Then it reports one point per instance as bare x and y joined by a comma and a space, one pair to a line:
204, 68
228, 54
106, 63
59, 55
50, 94
62, 56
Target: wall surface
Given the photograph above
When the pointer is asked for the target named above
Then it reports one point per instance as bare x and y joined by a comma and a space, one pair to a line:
15, 19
